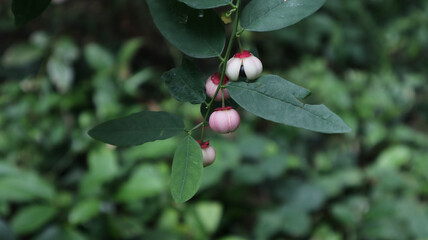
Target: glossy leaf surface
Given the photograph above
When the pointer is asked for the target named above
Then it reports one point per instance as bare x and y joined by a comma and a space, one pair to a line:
270, 15
186, 170
138, 128
204, 4
197, 33
26, 10
278, 100
84, 211
186, 83
31, 218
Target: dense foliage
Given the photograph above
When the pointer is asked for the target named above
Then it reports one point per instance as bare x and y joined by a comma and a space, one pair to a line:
82, 63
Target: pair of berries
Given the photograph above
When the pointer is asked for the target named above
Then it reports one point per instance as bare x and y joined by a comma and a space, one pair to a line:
243, 64
226, 119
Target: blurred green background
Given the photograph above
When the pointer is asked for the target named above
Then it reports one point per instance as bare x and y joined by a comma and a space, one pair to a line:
85, 62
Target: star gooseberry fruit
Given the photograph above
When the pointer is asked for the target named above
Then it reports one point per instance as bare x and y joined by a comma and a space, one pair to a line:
212, 85
208, 153
243, 64
224, 120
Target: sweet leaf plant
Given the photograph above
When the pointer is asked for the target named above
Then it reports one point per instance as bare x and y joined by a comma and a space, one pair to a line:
193, 27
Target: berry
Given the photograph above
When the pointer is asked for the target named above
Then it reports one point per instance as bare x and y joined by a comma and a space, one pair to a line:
243, 64
212, 84
224, 120
208, 153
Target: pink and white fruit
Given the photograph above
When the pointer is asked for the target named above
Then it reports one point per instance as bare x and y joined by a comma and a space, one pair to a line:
208, 153
244, 64
212, 84
224, 120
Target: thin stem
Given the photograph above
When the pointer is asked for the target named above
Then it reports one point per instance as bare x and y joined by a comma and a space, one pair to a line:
222, 99
233, 5
219, 66
202, 132
197, 126
239, 42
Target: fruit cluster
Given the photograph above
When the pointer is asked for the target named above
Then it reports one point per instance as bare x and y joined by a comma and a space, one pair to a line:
226, 119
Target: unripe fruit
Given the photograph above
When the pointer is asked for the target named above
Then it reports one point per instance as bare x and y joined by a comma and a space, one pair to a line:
208, 153
243, 64
212, 84
224, 120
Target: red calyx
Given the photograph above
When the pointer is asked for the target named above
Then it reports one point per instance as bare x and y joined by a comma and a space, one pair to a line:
204, 144
243, 54
216, 79
223, 108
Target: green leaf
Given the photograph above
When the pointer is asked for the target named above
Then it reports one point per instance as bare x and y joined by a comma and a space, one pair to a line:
209, 214
278, 100
66, 50
89, 186
205, 4
132, 84
186, 83
53, 232
270, 15
103, 164
60, 73
394, 157
106, 95
8, 169
294, 221
98, 57
146, 181
5, 232
26, 10
21, 54
308, 197
197, 33
128, 50
287, 218
31, 218
224, 150
138, 128
186, 170
25, 187
203, 219
84, 211
125, 227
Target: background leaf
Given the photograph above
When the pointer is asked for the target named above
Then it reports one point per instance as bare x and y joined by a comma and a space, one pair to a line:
186, 170
26, 10
103, 164
138, 128
21, 54
146, 181
270, 15
32, 218
204, 4
197, 33
278, 100
60, 73
210, 214
24, 187
5, 232
186, 83
84, 211
98, 57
